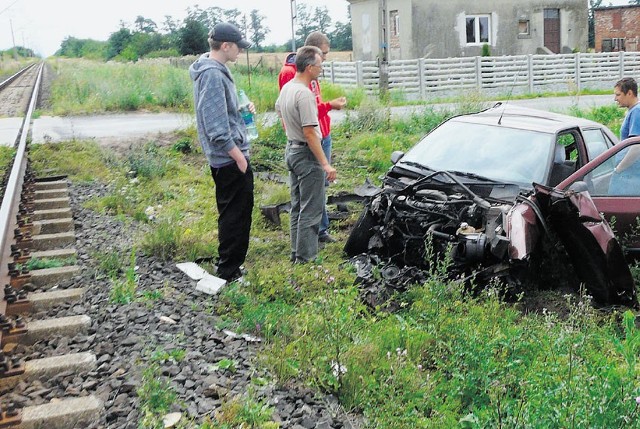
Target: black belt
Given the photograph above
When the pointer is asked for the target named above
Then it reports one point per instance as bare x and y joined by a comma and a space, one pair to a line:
296, 143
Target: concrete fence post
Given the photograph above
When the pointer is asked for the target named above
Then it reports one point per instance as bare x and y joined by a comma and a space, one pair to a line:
621, 64
578, 72
479, 73
422, 78
359, 76
530, 71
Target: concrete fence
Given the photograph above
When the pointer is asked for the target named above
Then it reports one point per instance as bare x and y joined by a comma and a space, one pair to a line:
429, 78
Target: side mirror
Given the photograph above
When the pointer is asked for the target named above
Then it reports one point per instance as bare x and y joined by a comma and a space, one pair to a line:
396, 156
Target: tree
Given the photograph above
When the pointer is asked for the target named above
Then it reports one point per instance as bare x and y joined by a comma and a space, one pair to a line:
192, 38
118, 41
341, 37
322, 19
233, 16
257, 31
305, 23
144, 25
592, 22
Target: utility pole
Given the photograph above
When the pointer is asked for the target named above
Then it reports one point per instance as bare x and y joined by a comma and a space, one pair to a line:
13, 39
383, 63
293, 31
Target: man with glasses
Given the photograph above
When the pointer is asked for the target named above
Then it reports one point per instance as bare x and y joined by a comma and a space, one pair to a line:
307, 163
288, 71
223, 137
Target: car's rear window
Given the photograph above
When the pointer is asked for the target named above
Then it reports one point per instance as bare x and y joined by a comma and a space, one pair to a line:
497, 152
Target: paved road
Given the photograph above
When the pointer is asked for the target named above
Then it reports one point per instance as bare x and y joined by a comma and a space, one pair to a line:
53, 129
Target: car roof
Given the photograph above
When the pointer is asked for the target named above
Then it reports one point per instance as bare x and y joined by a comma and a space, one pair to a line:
526, 119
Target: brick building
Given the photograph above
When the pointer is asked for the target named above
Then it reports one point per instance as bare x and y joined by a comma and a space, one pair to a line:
617, 29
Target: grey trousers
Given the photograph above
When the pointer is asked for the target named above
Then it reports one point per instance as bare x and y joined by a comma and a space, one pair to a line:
306, 179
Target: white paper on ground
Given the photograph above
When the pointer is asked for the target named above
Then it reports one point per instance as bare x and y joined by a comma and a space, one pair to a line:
210, 284
193, 270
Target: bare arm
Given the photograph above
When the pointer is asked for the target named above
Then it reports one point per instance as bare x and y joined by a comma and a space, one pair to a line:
629, 158
316, 148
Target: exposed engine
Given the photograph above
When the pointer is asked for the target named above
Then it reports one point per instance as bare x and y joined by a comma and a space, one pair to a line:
411, 225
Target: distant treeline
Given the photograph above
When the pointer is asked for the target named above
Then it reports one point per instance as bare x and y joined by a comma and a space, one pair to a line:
16, 52
144, 39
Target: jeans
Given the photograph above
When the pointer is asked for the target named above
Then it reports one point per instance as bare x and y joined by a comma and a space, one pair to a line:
324, 222
306, 179
234, 198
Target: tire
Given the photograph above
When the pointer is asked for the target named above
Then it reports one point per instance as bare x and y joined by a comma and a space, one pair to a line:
358, 241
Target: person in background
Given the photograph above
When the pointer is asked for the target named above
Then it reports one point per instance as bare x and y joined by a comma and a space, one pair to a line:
223, 136
287, 72
307, 164
626, 174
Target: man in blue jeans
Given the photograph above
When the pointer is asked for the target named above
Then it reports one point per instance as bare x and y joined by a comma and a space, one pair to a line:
223, 137
288, 71
307, 163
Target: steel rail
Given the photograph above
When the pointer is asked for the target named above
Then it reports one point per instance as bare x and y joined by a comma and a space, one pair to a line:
6, 83
13, 191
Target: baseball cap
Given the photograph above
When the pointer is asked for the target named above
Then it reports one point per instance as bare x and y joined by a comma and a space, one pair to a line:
226, 32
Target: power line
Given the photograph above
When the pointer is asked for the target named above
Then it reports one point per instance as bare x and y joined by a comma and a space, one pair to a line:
6, 8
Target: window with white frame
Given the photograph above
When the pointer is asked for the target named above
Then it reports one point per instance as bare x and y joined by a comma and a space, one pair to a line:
523, 28
394, 23
478, 29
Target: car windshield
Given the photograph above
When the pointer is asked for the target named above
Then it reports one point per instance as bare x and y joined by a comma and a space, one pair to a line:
503, 154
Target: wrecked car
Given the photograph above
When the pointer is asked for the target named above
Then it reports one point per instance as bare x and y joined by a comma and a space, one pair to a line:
496, 193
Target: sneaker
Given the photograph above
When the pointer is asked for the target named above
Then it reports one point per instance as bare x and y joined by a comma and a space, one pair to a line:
326, 238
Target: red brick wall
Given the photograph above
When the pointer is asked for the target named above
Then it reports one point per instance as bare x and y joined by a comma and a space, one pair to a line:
618, 22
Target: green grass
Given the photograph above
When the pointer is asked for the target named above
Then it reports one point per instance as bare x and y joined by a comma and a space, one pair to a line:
445, 359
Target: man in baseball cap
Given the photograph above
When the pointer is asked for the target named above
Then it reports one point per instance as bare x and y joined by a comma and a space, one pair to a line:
226, 32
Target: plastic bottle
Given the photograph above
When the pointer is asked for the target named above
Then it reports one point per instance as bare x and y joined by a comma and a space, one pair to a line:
243, 101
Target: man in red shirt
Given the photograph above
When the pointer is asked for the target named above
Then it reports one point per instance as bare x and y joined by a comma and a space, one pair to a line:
288, 72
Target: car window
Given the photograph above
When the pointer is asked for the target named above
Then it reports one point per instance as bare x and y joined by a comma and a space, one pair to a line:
505, 154
623, 181
568, 141
596, 142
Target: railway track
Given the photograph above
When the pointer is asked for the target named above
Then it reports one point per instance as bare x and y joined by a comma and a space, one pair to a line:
74, 359
36, 224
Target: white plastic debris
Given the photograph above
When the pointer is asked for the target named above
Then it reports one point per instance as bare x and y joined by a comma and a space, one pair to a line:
210, 285
193, 270
251, 339
229, 333
168, 320
171, 420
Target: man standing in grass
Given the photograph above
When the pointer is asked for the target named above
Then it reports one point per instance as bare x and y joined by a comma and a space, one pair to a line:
223, 136
626, 174
288, 71
308, 165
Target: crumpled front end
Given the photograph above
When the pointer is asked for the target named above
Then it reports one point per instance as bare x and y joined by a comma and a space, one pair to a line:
404, 232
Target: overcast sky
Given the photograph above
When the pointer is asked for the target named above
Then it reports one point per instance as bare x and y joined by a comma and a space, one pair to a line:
43, 24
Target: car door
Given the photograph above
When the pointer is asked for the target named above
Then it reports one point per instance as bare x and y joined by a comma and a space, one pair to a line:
616, 195
596, 143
